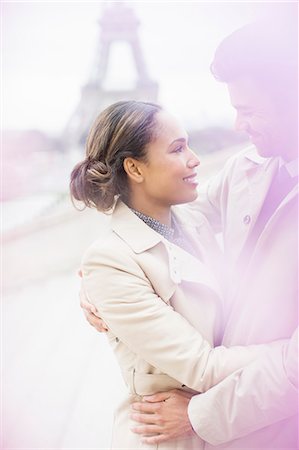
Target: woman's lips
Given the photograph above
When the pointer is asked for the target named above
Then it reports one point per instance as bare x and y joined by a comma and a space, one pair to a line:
191, 179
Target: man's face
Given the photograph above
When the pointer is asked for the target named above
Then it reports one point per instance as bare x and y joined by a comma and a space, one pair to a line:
260, 117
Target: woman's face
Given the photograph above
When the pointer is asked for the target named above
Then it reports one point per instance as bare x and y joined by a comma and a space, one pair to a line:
170, 172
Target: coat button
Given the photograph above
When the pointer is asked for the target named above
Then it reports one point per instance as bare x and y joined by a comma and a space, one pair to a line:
246, 219
116, 339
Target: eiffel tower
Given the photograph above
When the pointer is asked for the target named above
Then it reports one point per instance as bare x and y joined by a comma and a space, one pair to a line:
117, 24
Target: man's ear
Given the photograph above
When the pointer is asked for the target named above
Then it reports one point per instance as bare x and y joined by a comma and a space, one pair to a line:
133, 169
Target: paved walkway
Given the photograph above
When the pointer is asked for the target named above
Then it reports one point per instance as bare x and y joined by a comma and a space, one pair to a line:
60, 380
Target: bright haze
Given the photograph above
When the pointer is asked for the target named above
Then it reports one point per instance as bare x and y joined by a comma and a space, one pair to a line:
49, 49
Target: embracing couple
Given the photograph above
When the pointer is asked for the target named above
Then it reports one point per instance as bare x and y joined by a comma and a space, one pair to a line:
205, 339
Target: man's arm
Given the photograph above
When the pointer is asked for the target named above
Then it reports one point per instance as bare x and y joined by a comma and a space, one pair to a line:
259, 395
252, 398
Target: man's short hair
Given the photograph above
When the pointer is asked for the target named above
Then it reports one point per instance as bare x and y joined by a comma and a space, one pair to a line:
265, 52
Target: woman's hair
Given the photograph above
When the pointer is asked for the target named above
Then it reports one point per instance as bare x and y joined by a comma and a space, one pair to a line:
122, 130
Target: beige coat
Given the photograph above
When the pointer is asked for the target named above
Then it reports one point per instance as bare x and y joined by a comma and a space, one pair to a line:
255, 407
153, 297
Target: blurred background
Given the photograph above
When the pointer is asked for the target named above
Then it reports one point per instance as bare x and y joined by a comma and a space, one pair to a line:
62, 63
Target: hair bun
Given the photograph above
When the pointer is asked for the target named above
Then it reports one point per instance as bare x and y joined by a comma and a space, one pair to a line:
98, 171
92, 183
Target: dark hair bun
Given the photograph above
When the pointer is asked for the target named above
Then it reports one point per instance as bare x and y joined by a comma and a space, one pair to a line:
92, 183
98, 171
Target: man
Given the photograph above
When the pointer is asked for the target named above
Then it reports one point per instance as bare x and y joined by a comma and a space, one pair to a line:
254, 202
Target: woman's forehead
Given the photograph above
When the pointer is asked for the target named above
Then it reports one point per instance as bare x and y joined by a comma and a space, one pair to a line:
169, 127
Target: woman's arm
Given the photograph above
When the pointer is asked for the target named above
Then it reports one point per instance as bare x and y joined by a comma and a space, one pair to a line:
149, 327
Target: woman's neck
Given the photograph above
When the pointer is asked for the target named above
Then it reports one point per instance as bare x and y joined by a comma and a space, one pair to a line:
159, 212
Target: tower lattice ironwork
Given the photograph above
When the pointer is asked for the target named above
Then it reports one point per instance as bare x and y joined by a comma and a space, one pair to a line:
117, 24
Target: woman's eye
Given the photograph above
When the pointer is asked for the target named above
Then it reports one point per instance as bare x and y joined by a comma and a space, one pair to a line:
178, 149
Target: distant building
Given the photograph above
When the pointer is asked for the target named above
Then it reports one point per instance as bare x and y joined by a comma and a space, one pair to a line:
117, 24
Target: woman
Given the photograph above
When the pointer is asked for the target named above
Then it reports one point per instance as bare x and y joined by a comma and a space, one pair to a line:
151, 277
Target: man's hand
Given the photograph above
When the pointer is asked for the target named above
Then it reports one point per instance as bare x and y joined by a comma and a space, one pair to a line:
90, 311
163, 415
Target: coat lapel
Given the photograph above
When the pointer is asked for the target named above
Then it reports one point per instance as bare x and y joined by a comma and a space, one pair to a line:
259, 179
139, 236
164, 263
148, 246
281, 211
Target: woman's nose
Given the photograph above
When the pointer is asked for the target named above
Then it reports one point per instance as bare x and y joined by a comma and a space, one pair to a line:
193, 160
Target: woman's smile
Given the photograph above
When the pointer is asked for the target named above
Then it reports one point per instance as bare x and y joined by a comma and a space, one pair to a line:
191, 179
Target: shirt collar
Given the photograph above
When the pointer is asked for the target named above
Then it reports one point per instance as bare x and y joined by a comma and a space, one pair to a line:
252, 154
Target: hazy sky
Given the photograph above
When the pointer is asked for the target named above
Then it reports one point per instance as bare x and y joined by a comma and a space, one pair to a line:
49, 49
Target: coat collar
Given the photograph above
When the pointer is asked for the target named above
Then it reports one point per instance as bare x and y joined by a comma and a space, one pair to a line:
139, 236
252, 155
259, 177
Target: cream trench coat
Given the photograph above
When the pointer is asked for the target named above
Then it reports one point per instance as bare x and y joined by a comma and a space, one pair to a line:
256, 407
153, 297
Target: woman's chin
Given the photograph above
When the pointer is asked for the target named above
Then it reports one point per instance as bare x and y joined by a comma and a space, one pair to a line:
187, 199
193, 196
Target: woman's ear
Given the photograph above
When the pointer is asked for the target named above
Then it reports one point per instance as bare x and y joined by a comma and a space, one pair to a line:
133, 169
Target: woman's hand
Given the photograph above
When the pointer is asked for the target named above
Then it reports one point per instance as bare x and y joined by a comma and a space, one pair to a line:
90, 311
163, 415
